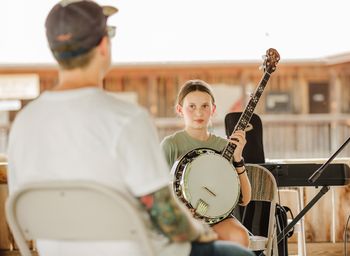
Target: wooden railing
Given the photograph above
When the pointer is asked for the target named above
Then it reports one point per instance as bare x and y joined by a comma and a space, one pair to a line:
288, 136
284, 136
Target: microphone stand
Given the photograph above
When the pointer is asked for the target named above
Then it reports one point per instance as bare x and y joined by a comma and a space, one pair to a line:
322, 192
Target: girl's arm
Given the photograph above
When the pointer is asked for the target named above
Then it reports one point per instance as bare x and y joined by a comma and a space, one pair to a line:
245, 185
239, 139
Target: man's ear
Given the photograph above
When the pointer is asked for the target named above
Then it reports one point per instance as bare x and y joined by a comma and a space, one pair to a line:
179, 110
103, 47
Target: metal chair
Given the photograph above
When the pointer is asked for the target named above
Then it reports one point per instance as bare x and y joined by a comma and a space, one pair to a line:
264, 189
254, 153
297, 195
74, 210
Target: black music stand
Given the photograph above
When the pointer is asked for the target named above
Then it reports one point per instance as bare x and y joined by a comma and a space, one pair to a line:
323, 191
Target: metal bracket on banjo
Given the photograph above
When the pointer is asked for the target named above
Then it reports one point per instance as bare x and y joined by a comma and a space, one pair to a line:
203, 168
202, 207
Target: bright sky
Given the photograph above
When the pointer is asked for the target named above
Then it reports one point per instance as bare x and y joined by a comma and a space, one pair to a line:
191, 30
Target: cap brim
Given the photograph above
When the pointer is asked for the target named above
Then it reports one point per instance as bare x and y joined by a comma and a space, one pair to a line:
109, 10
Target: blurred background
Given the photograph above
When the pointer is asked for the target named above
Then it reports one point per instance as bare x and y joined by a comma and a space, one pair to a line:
161, 44
305, 107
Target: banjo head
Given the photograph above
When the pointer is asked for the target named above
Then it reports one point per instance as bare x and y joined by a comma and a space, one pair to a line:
209, 184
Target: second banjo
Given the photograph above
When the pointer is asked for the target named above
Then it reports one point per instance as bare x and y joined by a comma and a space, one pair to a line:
205, 179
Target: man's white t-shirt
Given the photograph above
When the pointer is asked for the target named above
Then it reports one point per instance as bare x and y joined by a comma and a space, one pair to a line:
86, 134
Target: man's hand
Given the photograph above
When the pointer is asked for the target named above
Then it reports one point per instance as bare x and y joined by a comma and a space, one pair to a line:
207, 234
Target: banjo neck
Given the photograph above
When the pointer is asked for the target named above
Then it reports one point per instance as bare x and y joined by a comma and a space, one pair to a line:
246, 116
271, 59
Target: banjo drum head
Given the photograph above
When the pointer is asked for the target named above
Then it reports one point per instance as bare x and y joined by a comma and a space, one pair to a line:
212, 180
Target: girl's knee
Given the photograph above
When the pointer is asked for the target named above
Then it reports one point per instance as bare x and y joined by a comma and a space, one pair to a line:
239, 236
244, 237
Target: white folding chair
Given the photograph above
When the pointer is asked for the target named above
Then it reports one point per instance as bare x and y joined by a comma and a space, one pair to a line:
296, 199
74, 210
264, 188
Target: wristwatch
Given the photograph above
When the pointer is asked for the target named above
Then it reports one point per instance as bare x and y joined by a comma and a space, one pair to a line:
239, 164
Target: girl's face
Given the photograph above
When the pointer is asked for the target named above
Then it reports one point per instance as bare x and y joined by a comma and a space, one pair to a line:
197, 109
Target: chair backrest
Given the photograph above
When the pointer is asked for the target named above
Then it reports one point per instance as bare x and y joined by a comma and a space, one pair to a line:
259, 214
263, 183
74, 210
263, 189
253, 151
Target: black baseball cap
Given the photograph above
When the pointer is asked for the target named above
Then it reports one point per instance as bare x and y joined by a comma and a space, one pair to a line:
74, 27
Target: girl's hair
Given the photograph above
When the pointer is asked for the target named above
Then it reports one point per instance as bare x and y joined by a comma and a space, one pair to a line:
191, 86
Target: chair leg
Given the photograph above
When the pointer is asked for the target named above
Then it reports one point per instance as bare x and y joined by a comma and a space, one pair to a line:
272, 234
301, 234
24, 248
11, 239
274, 245
33, 245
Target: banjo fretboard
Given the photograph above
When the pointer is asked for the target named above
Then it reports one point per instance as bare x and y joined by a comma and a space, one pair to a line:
246, 115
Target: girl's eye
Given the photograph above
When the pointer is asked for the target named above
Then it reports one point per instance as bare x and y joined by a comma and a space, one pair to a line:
192, 106
206, 106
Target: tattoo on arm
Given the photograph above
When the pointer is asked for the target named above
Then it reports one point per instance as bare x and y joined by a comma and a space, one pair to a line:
168, 217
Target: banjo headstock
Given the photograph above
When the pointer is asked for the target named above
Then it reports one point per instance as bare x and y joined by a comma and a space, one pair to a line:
272, 57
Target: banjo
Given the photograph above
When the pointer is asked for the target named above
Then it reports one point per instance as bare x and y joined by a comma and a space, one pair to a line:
205, 179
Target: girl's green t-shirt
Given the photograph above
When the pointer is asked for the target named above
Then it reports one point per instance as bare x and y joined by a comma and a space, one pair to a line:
180, 143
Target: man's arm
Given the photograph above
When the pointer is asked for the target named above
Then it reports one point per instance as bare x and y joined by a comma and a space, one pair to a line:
173, 220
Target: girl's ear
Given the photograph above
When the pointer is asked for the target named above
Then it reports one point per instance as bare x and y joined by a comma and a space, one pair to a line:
179, 110
214, 109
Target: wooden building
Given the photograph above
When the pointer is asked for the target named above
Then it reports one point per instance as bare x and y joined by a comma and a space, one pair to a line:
306, 106
297, 87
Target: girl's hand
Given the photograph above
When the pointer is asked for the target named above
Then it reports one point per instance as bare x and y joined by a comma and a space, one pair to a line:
238, 138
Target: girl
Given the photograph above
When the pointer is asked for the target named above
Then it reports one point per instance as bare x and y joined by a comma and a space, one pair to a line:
196, 105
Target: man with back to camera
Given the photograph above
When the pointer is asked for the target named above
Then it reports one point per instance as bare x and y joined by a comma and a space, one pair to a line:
76, 131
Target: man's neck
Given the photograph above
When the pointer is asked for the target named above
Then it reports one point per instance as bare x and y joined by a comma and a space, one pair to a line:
78, 78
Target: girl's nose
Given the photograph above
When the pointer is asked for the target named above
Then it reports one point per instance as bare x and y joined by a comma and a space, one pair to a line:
198, 112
